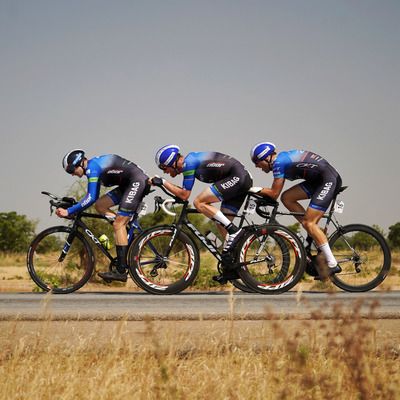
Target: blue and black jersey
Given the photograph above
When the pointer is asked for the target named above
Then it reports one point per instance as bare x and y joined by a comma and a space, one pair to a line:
112, 170
322, 181
229, 177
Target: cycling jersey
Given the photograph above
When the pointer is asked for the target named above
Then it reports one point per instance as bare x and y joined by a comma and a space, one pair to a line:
322, 181
230, 178
112, 170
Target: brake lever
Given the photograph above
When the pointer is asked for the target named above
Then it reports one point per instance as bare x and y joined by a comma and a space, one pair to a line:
157, 201
52, 206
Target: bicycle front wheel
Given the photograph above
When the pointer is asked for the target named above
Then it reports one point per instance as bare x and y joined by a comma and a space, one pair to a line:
58, 263
275, 259
158, 273
364, 256
239, 284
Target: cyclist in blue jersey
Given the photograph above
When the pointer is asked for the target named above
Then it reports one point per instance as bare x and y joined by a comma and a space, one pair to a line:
132, 186
320, 184
229, 181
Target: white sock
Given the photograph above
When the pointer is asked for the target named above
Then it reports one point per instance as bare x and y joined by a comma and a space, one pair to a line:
222, 219
327, 252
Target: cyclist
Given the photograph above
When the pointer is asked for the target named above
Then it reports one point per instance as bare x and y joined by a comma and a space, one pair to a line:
229, 180
321, 183
109, 170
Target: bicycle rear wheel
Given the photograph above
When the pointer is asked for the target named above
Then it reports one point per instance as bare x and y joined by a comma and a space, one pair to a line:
156, 273
58, 264
364, 256
276, 259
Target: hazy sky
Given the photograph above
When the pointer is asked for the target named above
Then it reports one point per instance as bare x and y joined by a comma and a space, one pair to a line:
127, 76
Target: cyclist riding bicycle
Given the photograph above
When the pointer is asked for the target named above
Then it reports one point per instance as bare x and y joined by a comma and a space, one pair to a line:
229, 178
109, 170
321, 183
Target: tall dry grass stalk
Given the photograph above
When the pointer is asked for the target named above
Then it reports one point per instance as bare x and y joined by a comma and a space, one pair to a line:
317, 359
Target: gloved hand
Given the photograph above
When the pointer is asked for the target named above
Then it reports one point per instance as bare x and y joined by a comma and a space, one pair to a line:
157, 181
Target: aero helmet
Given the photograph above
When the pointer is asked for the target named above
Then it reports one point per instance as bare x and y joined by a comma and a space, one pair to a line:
166, 156
261, 151
72, 160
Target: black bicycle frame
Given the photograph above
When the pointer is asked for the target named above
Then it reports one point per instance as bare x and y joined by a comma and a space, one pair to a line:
183, 221
78, 223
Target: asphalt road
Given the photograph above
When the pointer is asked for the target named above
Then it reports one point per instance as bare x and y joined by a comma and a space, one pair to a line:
196, 305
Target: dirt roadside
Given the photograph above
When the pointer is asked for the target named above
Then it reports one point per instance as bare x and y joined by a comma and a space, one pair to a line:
257, 332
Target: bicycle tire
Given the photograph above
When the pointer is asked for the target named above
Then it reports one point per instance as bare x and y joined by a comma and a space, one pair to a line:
284, 259
45, 267
239, 284
157, 275
368, 251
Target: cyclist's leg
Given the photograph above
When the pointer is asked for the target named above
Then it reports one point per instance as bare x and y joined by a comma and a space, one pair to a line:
203, 203
128, 197
290, 199
320, 201
104, 203
232, 191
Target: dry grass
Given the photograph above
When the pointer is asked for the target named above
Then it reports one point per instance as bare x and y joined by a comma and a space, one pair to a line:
338, 359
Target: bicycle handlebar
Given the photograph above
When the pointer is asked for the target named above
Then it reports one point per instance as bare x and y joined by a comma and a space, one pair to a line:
163, 205
59, 202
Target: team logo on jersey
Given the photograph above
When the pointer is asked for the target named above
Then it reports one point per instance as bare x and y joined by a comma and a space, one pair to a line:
306, 165
215, 165
87, 200
230, 183
115, 171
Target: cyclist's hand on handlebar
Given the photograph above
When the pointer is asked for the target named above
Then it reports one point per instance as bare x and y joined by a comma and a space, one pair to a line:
62, 212
157, 181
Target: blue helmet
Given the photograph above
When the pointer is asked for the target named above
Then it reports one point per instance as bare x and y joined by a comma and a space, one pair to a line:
261, 151
72, 160
167, 155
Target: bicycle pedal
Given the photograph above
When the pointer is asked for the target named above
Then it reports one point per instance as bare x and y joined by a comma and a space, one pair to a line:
221, 279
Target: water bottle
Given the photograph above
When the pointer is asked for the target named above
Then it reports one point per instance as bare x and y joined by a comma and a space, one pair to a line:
213, 239
105, 241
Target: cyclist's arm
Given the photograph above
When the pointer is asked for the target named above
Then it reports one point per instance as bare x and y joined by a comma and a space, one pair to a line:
89, 199
177, 191
275, 190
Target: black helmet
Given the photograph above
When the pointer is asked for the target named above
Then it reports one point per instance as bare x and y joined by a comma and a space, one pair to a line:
72, 160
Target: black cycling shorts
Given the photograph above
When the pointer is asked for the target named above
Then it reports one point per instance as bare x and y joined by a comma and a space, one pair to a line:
322, 191
233, 189
130, 195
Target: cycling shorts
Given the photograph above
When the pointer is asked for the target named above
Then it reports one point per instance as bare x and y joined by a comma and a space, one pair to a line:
232, 190
322, 191
129, 196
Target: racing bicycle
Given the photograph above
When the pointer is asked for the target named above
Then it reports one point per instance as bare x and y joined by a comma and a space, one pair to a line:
61, 258
361, 251
165, 259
